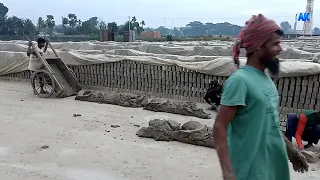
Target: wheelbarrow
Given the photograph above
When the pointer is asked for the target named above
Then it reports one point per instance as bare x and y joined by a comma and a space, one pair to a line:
55, 78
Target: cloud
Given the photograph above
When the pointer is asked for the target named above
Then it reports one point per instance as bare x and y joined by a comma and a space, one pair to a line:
255, 11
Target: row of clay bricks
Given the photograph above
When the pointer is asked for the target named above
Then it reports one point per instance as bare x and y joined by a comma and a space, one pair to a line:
300, 92
143, 84
171, 80
165, 73
296, 92
7, 78
19, 75
155, 87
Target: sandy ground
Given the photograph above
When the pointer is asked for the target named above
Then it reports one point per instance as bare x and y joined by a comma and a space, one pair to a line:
87, 148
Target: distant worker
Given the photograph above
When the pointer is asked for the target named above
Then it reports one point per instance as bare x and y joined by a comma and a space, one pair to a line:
35, 62
213, 94
306, 127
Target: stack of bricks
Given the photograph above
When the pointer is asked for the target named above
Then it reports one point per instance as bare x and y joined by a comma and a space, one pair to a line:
299, 92
296, 93
153, 80
20, 76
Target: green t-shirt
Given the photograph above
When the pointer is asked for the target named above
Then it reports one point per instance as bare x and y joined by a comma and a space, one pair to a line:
312, 116
256, 147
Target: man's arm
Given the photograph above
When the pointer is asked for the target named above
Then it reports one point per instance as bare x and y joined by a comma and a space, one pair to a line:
45, 47
225, 115
300, 128
30, 50
297, 159
234, 94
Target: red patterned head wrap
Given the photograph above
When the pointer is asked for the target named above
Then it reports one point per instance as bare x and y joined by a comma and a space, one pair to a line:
257, 31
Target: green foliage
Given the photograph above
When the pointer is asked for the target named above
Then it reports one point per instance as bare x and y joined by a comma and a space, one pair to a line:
285, 26
180, 39
41, 24
316, 31
50, 24
169, 37
103, 25
134, 25
72, 26
29, 27
113, 27
14, 26
72, 20
3, 10
90, 26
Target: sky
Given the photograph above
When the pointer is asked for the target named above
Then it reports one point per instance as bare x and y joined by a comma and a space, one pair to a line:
168, 13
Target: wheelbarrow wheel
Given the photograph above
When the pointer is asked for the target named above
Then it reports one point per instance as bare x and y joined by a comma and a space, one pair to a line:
43, 83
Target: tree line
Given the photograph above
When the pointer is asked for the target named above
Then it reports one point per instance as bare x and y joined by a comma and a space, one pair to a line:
197, 28
287, 28
72, 25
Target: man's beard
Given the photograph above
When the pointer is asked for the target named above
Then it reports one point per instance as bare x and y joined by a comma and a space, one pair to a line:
273, 65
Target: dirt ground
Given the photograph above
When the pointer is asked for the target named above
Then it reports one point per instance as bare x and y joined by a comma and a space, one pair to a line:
40, 139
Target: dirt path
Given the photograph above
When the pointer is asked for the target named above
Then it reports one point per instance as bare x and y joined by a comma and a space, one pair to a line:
87, 148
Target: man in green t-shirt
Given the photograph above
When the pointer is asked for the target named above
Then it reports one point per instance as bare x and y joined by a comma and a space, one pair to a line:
247, 135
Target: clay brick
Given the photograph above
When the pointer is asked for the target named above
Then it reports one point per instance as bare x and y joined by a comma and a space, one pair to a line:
286, 81
291, 93
315, 78
281, 81
307, 101
304, 83
303, 88
298, 81
308, 95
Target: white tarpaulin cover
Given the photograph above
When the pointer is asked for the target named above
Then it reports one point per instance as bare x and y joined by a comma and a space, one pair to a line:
213, 58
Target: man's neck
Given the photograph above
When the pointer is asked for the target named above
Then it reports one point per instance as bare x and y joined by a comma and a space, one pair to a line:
256, 64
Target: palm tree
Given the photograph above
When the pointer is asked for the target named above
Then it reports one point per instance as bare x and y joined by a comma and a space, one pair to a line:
142, 23
134, 19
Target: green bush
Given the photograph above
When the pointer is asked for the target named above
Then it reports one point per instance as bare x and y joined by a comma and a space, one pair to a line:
180, 39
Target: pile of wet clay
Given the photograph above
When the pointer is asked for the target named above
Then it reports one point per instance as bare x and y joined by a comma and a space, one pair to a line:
176, 107
135, 101
191, 132
120, 99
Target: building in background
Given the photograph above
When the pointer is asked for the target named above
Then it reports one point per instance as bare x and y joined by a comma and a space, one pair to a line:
106, 35
129, 36
150, 34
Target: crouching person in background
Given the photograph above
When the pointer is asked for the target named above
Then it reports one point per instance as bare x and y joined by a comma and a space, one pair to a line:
306, 127
213, 94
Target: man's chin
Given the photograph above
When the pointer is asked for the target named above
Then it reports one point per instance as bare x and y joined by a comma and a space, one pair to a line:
274, 67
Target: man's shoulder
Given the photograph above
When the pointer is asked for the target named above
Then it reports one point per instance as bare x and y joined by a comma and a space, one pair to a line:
239, 75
